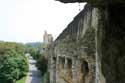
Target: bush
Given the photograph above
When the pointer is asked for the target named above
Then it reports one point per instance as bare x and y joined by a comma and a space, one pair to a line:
45, 78
42, 64
35, 53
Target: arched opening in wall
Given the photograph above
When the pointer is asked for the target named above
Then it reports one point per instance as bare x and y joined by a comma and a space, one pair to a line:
61, 68
84, 71
54, 69
69, 63
54, 59
62, 61
54, 64
69, 70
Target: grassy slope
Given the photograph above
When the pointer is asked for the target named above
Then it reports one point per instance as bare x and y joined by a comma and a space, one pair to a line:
21, 80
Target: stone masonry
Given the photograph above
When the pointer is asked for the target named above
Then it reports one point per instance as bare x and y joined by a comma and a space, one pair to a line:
72, 54
92, 47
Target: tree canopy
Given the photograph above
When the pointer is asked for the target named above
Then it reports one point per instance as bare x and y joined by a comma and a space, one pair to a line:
13, 63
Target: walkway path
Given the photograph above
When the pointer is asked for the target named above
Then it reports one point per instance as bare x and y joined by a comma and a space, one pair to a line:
33, 74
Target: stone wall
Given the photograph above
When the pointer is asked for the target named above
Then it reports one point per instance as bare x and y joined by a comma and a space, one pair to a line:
110, 47
74, 50
91, 49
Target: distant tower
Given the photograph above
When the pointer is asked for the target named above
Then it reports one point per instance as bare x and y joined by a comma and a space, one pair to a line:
47, 38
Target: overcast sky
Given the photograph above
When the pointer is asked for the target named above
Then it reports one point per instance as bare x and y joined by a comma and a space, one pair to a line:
26, 20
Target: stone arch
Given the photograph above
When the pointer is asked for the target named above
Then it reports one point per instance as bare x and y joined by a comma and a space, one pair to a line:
54, 59
61, 64
85, 67
69, 70
62, 59
84, 70
69, 63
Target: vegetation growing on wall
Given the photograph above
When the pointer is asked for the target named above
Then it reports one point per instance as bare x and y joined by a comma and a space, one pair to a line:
88, 40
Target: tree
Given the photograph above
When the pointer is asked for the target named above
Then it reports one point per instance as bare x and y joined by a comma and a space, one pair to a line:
42, 64
13, 63
33, 49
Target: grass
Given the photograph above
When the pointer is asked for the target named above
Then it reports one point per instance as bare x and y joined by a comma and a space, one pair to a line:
22, 80
45, 78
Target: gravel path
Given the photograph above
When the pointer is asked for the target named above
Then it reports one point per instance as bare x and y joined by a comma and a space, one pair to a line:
33, 74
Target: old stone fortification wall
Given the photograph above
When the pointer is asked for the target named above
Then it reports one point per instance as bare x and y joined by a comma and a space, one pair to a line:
110, 47
73, 59
92, 47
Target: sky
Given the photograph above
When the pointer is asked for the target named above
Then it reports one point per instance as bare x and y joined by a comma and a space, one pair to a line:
26, 20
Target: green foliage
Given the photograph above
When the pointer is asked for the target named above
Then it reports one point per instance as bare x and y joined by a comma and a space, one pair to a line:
45, 78
7, 46
13, 63
34, 49
22, 80
89, 40
42, 64
36, 45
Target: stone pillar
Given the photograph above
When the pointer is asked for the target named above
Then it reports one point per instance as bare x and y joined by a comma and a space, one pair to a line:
90, 75
57, 68
74, 70
66, 64
53, 70
99, 38
57, 64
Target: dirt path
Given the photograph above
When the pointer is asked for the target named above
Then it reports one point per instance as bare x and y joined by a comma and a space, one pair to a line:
33, 74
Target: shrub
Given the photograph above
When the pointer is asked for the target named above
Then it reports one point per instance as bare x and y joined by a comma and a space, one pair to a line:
42, 64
